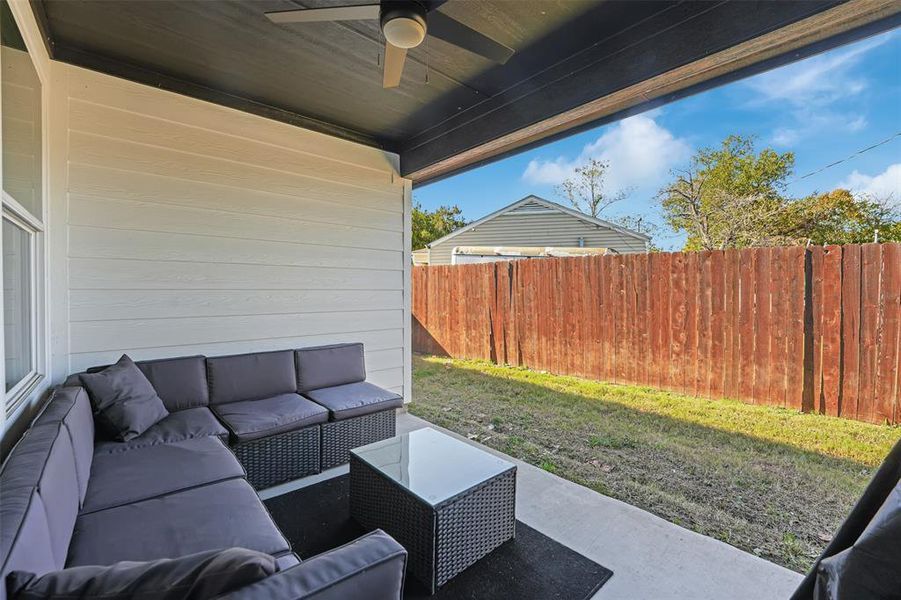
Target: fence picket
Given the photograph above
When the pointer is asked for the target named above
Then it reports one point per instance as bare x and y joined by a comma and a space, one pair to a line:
888, 357
829, 367
870, 268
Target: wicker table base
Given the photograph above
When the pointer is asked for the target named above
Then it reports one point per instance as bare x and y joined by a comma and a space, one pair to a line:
441, 540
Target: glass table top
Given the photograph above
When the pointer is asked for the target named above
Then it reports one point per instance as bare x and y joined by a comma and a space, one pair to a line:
431, 465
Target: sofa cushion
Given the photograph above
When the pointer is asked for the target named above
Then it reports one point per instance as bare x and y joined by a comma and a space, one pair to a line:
146, 472
209, 517
72, 407
286, 561
370, 567
24, 534
254, 419
25, 540
251, 376
179, 382
39, 498
328, 366
355, 399
58, 488
180, 425
199, 576
124, 401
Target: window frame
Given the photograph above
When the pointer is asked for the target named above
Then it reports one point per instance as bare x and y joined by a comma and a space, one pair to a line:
19, 217
20, 395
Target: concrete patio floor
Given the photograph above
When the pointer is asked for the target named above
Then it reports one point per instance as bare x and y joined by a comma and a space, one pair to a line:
651, 559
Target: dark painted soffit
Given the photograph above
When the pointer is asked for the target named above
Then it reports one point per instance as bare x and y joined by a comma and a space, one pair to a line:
140, 74
660, 41
494, 118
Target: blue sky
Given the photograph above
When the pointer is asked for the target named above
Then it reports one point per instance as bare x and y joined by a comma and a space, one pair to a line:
823, 109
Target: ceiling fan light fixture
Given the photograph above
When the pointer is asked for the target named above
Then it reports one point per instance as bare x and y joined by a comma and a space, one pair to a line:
404, 31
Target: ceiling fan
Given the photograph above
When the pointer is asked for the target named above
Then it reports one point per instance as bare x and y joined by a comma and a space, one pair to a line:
404, 23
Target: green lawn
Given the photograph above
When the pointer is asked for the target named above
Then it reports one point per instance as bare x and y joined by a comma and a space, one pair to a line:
770, 481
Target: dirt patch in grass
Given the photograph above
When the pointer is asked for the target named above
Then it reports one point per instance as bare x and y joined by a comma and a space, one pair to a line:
769, 481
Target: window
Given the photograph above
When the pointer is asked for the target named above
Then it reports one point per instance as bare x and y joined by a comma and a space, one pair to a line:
17, 303
23, 203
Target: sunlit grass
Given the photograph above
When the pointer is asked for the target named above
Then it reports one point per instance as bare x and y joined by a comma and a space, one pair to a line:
768, 480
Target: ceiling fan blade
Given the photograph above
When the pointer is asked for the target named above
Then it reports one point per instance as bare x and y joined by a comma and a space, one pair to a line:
332, 13
394, 65
450, 30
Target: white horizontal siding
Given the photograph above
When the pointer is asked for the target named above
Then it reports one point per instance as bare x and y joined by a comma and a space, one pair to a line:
101, 242
164, 217
93, 336
100, 305
374, 342
543, 227
116, 274
116, 184
195, 229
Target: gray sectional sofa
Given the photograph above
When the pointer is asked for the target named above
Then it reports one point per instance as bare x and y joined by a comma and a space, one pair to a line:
73, 498
286, 414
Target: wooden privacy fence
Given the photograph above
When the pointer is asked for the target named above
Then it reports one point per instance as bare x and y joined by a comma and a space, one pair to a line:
814, 329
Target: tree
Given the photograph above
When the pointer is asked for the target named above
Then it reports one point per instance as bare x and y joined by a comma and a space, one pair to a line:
837, 217
641, 224
585, 189
428, 226
728, 197
734, 197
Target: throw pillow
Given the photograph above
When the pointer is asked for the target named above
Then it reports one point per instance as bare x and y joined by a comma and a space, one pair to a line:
192, 577
124, 401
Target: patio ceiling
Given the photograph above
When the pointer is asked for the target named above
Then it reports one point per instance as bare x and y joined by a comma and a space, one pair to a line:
578, 63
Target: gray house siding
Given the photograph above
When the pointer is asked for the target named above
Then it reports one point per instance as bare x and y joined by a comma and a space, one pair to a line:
534, 224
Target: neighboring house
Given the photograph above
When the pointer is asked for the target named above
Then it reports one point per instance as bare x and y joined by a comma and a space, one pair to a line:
534, 221
420, 257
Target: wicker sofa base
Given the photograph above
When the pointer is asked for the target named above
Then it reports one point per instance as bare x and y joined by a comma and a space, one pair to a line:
338, 437
279, 458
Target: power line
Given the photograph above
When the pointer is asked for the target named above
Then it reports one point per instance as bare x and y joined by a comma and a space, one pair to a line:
846, 159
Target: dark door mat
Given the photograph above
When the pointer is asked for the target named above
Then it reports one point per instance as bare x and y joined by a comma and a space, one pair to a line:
532, 566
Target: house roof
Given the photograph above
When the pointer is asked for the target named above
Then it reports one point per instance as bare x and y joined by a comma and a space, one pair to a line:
577, 63
548, 204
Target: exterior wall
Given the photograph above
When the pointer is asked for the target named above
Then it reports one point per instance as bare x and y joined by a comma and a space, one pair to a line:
188, 228
535, 225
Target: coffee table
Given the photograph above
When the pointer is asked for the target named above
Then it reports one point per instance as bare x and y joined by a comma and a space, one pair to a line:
447, 502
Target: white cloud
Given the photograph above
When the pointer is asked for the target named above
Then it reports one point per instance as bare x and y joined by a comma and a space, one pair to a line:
640, 153
856, 124
884, 186
820, 80
808, 122
786, 136
807, 90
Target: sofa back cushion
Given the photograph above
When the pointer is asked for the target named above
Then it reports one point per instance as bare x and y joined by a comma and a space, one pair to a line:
25, 535
327, 366
41, 490
72, 407
180, 382
251, 376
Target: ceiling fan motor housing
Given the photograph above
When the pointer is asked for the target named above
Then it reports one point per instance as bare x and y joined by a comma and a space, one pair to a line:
403, 23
